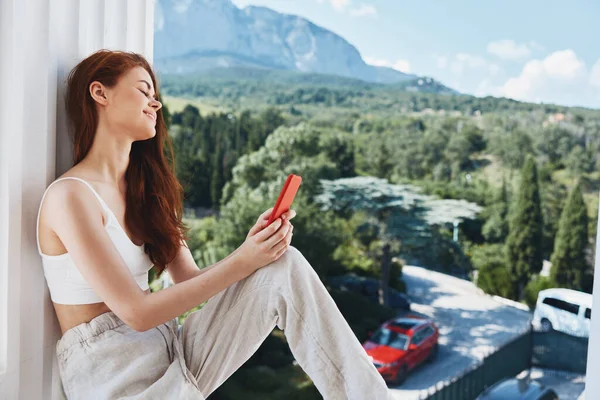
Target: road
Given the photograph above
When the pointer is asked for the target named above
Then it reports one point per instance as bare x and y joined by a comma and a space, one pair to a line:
568, 386
471, 325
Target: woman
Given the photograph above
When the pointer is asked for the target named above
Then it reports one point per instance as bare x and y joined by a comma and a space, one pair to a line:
116, 213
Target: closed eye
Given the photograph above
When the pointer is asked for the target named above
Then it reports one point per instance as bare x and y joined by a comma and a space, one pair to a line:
146, 94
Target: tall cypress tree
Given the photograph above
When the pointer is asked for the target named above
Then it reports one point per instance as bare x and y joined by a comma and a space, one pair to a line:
217, 181
568, 259
495, 229
383, 161
166, 116
524, 241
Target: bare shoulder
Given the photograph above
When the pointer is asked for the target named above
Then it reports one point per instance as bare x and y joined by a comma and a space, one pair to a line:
75, 215
69, 197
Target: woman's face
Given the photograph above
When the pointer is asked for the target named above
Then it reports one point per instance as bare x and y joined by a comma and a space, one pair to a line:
130, 107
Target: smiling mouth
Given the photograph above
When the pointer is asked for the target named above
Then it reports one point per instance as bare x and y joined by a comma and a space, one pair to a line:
151, 117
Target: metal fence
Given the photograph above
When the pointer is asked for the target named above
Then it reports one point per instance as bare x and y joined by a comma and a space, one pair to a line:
559, 351
553, 350
508, 361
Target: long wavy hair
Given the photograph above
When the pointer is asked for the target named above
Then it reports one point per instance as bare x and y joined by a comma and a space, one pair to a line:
154, 198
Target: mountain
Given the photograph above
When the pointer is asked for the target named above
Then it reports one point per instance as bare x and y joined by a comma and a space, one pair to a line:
197, 35
233, 78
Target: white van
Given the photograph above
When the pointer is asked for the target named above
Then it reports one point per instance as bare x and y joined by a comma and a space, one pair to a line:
564, 310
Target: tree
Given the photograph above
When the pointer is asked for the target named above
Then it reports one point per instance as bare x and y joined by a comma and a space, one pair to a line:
166, 116
580, 161
524, 242
555, 142
217, 180
378, 199
475, 137
553, 196
398, 211
495, 229
513, 147
432, 146
339, 148
272, 119
457, 152
208, 147
383, 161
256, 182
568, 259
492, 275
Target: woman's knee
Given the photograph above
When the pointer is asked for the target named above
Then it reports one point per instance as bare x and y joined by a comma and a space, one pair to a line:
285, 264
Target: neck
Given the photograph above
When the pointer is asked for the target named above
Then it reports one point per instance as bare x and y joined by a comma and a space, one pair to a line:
109, 156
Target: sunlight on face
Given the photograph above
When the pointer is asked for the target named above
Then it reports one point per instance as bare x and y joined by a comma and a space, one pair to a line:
132, 106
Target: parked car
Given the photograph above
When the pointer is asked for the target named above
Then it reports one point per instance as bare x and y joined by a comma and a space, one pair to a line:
518, 389
564, 310
369, 287
400, 345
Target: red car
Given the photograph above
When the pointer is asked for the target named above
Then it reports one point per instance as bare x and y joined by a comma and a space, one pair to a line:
401, 344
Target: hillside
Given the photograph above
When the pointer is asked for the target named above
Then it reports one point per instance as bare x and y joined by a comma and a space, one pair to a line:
196, 35
255, 88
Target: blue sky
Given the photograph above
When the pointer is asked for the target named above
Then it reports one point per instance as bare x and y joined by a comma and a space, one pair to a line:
533, 50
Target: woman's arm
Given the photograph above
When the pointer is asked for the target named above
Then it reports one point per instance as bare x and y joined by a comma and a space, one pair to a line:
166, 304
184, 267
76, 220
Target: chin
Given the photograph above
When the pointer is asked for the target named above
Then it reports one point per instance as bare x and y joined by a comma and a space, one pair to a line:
151, 134
146, 134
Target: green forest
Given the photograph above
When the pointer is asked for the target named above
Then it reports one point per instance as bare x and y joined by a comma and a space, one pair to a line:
486, 189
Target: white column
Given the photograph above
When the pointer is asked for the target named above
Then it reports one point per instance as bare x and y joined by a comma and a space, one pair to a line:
40, 41
592, 378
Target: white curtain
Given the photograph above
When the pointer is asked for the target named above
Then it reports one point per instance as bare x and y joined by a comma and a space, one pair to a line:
40, 41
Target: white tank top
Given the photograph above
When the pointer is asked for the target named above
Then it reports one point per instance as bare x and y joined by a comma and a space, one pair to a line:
65, 282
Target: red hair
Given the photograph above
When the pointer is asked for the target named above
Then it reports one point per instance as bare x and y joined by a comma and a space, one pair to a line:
154, 198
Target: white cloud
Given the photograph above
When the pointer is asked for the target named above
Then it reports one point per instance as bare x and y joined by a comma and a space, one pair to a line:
359, 10
485, 88
181, 6
564, 65
238, 3
363, 10
470, 60
595, 74
441, 61
533, 45
339, 5
402, 66
509, 50
560, 78
494, 69
462, 62
457, 85
398, 65
378, 62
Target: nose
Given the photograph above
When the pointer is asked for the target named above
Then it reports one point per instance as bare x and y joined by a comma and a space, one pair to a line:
156, 105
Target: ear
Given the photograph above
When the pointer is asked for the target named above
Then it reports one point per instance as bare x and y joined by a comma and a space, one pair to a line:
98, 93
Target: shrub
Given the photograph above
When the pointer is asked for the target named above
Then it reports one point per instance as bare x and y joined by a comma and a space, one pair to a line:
534, 286
493, 277
361, 314
260, 378
273, 352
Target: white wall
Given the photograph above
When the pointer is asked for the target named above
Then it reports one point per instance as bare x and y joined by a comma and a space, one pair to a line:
592, 379
40, 41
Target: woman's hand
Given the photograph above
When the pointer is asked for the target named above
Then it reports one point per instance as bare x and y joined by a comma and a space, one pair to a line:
264, 218
265, 244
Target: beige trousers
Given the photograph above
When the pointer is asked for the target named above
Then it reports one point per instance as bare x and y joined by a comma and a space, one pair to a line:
106, 359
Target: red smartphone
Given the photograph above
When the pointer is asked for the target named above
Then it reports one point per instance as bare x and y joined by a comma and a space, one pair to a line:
286, 197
